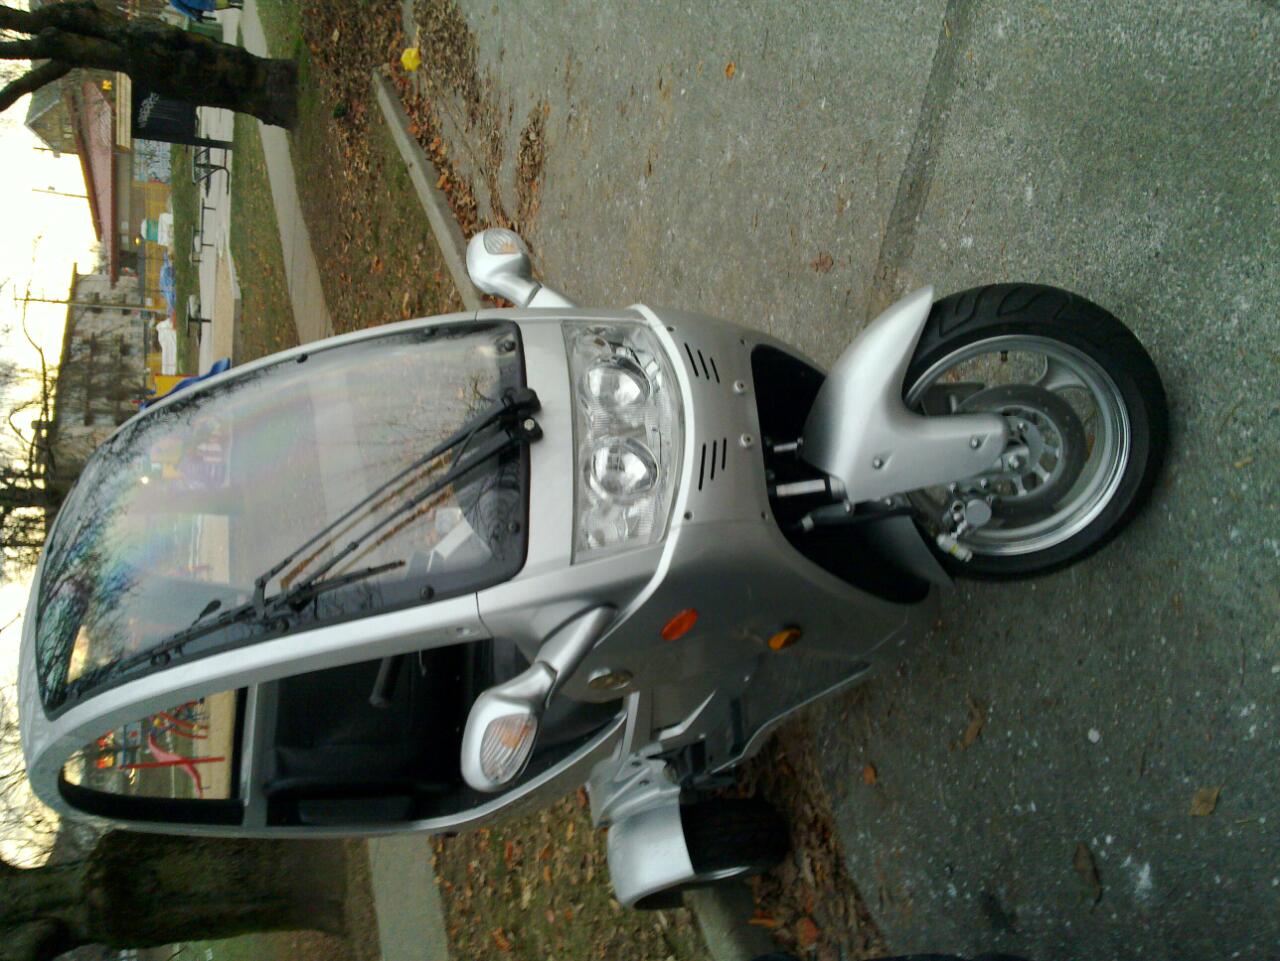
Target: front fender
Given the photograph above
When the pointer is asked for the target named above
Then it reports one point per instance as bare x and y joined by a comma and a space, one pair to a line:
860, 431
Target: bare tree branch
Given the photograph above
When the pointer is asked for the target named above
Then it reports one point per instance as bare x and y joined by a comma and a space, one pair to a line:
80, 16
32, 81
24, 49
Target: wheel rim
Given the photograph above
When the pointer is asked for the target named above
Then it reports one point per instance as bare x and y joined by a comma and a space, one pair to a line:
1030, 380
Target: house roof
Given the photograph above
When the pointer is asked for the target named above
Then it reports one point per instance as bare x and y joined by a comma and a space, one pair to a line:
93, 120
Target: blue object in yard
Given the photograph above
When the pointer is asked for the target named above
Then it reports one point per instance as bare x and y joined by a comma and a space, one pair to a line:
218, 366
168, 284
193, 9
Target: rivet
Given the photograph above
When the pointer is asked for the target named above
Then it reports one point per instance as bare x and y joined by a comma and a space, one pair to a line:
746, 440
975, 442
877, 462
739, 386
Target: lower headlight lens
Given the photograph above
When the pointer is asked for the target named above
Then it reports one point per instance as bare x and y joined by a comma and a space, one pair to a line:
627, 433
622, 468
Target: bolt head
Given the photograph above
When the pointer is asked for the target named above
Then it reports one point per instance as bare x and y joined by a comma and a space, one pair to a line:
975, 442
877, 462
739, 386
746, 440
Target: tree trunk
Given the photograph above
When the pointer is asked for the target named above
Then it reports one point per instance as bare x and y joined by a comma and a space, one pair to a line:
167, 60
144, 890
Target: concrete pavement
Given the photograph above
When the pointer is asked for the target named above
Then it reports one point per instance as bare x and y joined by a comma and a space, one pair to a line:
795, 167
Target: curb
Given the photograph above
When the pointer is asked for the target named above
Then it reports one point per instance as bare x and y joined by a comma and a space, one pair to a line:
720, 910
453, 246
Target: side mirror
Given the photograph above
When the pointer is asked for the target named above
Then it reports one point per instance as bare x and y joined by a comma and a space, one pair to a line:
503, 724
498, 262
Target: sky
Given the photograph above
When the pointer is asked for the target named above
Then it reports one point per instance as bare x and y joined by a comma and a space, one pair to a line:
42, 236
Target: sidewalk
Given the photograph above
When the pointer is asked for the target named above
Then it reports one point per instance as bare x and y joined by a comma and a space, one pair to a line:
310, 312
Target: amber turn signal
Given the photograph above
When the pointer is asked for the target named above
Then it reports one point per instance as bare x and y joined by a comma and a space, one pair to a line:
680, 625
784, 638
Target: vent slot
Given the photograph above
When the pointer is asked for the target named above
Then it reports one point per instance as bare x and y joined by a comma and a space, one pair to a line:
703, 365
712, 460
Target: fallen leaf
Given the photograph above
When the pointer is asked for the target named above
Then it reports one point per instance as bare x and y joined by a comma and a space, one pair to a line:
869, 775
500, 939
1204, 801
977, 718
1243, 462
411, 59
822, 263
582, 797
551, 916
568, 831
730, 69
1088, 871
763, 921
807, 933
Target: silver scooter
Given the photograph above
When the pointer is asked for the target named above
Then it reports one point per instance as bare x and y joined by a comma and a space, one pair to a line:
416, 577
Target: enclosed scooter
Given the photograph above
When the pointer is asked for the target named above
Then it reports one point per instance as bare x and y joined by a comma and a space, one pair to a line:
413, 578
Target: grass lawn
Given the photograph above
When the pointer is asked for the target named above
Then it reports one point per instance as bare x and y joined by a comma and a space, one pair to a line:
266, 320
185, 197
379, 261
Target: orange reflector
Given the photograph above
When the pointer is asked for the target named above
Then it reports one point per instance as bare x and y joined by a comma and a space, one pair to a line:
784, 638
680, 625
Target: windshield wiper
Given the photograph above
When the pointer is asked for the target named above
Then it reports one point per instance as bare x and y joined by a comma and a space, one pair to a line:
515, 405
292, 600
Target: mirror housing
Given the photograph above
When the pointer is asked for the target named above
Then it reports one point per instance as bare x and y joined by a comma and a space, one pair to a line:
503, 724
499, 265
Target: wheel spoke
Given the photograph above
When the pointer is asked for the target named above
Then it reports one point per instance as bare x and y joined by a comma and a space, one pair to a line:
1058, 376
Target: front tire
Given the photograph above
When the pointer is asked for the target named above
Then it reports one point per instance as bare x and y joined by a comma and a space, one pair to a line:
727, 838
1088, 422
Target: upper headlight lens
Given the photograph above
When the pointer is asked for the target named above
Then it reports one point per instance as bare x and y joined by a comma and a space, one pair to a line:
616, 382
627, 436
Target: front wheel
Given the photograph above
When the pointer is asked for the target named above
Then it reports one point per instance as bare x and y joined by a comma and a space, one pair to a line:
1086, 416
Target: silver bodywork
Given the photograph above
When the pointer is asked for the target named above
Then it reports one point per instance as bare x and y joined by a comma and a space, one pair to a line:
721, 688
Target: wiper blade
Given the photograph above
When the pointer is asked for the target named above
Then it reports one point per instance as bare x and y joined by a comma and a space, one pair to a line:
278, 606
514, 405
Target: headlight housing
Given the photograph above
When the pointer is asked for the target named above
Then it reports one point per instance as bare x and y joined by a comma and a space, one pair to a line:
627, 435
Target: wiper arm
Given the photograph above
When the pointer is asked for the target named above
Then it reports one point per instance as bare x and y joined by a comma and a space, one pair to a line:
523, 431
513, 406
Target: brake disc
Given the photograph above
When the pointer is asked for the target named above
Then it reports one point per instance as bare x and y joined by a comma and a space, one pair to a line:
1046, 452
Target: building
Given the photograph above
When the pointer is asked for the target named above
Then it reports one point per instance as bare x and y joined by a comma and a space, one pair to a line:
101, 374
87, 113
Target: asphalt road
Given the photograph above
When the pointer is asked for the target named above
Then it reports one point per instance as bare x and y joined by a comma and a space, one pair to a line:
796, 166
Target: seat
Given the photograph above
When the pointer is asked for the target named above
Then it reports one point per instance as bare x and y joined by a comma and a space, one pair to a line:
332, 745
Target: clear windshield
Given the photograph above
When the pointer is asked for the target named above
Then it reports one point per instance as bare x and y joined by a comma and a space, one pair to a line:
176, 515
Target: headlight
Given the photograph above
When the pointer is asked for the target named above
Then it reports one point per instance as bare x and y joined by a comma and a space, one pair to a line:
627, 436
